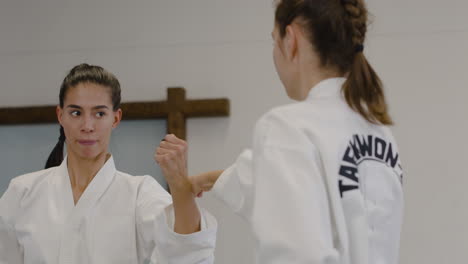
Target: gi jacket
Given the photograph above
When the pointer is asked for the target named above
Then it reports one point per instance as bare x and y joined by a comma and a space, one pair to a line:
320, 185
119, 219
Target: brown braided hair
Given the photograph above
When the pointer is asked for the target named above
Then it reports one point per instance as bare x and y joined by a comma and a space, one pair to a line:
337, 29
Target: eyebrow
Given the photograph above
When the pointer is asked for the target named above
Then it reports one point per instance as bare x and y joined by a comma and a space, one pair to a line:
94, 108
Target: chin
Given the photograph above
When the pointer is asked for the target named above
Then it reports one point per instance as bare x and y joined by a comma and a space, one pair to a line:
90, 154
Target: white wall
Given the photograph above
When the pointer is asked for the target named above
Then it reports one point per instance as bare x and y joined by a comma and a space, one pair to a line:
222, 48
420, 49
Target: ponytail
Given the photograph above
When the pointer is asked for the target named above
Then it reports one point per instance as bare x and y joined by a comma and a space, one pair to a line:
56, 156
363, 91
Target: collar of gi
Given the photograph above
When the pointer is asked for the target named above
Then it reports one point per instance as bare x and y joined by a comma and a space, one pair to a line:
327, 88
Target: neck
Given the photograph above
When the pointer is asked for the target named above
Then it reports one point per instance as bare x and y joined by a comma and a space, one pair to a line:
82, 171
310, 70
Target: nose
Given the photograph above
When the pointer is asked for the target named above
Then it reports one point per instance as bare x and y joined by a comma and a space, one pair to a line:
87, 125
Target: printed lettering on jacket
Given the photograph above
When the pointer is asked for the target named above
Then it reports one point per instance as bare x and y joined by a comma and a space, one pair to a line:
362, 149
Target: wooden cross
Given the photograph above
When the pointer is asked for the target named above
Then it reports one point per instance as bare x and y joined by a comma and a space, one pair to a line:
175, 110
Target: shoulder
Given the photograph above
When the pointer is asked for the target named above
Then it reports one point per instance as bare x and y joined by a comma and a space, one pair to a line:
279, 116
294, 115
18, 190
288, 110
27, 182
285, 126
145, 186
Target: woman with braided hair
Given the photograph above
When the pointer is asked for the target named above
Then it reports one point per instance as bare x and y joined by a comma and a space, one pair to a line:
82, 210
322, 183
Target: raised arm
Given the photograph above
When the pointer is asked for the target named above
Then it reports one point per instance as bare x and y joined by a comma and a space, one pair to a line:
171, 156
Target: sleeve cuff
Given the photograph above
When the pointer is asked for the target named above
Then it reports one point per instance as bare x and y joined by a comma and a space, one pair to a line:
197, 247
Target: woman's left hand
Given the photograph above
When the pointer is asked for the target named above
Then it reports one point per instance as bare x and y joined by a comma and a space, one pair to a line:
171, 155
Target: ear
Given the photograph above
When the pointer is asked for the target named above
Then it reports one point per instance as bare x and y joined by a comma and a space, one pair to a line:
290, 42
117, 118
59, 112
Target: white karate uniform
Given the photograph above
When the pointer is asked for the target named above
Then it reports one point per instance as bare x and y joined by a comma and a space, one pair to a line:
321, 184
118, 219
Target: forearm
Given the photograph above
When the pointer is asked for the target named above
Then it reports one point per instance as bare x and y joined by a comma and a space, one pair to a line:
186, 212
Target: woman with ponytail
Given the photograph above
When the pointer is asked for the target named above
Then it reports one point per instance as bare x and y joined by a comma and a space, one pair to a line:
80, 209
322, 182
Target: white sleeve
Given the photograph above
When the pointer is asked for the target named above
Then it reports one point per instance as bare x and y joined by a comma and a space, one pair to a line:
10, 250
156, 237
289, 213
234, 186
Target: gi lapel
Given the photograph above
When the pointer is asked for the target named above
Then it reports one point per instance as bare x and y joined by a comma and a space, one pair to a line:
72, 237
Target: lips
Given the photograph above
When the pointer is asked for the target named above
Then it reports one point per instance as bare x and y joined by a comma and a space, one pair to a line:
87, 142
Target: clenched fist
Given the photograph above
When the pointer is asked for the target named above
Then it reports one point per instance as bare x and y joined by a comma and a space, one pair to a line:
171, 155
